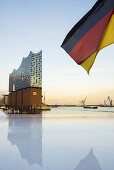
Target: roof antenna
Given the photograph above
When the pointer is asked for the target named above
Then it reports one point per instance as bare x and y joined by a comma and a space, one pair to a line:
44, 98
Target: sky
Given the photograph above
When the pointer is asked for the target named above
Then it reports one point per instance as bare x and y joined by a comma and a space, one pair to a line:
34, 25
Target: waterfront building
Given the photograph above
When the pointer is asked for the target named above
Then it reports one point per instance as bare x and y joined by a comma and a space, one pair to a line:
5, 100
29, 74
25, 83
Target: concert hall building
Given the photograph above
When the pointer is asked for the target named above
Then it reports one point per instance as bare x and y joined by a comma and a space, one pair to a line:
25, 83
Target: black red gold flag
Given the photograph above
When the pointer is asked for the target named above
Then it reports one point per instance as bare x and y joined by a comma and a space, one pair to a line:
92, 33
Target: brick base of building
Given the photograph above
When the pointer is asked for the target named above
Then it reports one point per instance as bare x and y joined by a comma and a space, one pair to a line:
31, 97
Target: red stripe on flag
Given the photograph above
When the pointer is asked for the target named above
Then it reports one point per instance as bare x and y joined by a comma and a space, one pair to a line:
113, 11
90, 42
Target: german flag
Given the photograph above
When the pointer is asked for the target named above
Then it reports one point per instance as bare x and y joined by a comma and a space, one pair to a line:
92, 33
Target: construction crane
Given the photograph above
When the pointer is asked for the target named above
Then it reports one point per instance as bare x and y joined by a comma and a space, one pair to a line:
108, 101
83, 101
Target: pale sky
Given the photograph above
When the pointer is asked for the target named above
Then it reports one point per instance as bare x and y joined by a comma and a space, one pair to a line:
34, 25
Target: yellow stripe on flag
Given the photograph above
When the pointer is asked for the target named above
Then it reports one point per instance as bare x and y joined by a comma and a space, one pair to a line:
87, 64
107, 39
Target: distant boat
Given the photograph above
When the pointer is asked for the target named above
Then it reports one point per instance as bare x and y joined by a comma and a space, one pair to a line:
90, 107
86, 106
55, 106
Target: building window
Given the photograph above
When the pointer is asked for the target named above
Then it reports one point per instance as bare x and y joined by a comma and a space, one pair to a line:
34, 93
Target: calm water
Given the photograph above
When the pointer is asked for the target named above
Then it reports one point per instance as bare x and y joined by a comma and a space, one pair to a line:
62, 139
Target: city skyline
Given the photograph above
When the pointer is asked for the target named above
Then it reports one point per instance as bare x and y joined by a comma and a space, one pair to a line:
34, 26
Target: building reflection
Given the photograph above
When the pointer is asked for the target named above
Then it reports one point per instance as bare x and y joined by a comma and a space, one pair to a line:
90, 162
25, 131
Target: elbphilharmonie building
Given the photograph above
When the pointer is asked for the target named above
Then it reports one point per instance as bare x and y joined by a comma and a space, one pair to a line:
29, 74
25, 83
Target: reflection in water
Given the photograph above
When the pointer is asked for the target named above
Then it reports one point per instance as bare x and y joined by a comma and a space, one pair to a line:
90, 162
25, 131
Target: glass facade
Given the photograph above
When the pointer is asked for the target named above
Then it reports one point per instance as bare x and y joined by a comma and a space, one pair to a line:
29, 74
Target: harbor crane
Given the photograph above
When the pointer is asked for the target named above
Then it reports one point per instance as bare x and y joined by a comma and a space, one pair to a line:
83, 101
108, 101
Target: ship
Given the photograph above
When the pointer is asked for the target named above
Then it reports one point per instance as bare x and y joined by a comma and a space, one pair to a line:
86, 106
90, 107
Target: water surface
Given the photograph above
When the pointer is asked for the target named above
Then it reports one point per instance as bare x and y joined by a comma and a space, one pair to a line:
54, 141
